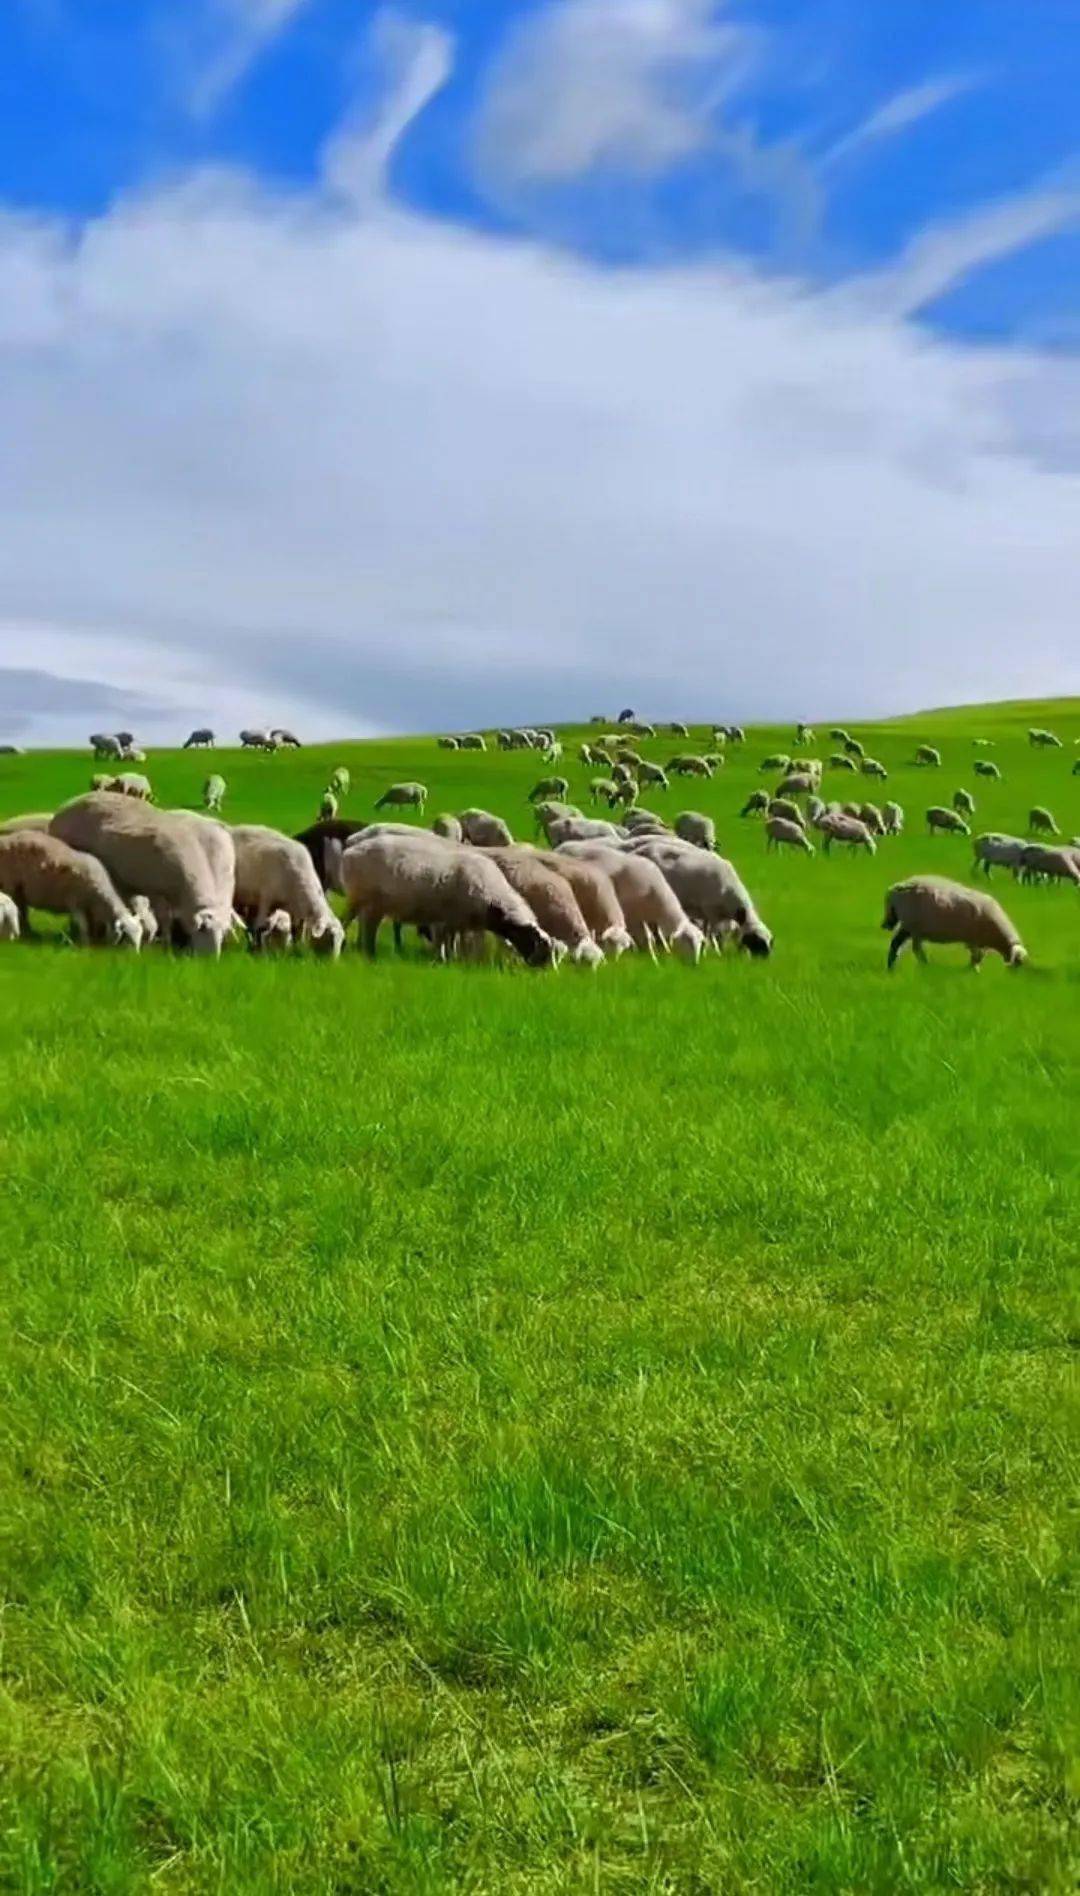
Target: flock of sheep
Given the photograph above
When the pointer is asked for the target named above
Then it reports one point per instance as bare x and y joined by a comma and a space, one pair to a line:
125, 872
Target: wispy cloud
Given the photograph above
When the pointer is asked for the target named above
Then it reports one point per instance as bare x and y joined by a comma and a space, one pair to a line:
237, 32
416, 61
900, 112
944, 254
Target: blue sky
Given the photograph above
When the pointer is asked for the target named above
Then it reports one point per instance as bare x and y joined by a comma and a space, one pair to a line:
275, 214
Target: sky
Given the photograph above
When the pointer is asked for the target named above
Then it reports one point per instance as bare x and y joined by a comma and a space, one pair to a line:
449, 364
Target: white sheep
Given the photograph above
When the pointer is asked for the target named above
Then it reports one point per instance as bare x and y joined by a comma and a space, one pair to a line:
582, 829
781, 832
939, 818
596, 898
449, 887
143, 912
552, 900
933, 908
712, 894
994, 850
836, 827
484, 830
648, 902
213, 794
695, 828
9, 918
275, 935
38, 871
1042, 862
893, 818
156, 853
131, 784
274, 872
448, 827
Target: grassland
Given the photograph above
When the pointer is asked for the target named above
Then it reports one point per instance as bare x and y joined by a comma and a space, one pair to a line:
473, 1430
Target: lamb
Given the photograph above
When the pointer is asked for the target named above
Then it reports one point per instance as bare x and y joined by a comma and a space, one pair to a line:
712, 895
143, 912
781, 831
839, 828
274, 872
938, 818
648, 902
596, 898
213, 795
932, 908
994, 850
39, 871
9, 919
202, 739
893, 816
484, 830
159, 854
1061, 865
695, 828
552, 901
449, 827
963, 802
1041, 821
926, 754
275, 935
409, 795
444, 886
549, 787
984, 767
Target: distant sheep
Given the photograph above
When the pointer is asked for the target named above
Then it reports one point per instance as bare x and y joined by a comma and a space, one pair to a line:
756, 803
1041, 821
839, 762
484, 830
938, 818
549, 787
850, 831
963, 802
340, 781
893, 815
781, 832
993, 850
213, 794
784, 807
927, 755
985, 767
105, 746
776, 760
1044, 740
687, 765
404, 796
451, 743
797, 784
472, 741
202, 739
873, 767
932, 908
695, 828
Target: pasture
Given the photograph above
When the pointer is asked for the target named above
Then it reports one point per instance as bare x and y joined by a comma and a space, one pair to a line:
467, 1428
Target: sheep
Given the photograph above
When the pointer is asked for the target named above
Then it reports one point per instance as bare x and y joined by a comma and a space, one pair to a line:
255, 740
10, 926
625, 717
340, 781
985, 767
275, 935
1037, 862
1075, 772
324, 842
451, 743
648, 902
675, 729
132, 754
443, 886
274, 872
932, 908
893, 816
202, 739
938, 818
687, 765
873, 767
581, 829
715, 759
1044, 740
596, 898
484, 830
642, 728
804, 734
603, 790
132, 785
780, 831
630, 759
873, 818
796, 784
549, 787
328, 806
994, 850
284, 740
853, 747
33, 820
694, 828
852, 809
1041, 821
104, 746
552, 753
549, 810
736, 733
213, 795
625, 793
712, 894
776, 760
963, 802
551, 899
103, 780
143, 912
785, 808
756, 802
655, 774
448, 827
926, 754
839, 828
839, 762
641, 819
408, 795
39, 871
838, 735
472, 741
160, 854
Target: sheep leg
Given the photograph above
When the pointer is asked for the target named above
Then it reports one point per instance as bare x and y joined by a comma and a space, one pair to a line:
899, 939
399, 943
369, 929
976, 960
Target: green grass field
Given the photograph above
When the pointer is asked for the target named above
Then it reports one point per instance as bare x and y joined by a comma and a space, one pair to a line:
470, 1429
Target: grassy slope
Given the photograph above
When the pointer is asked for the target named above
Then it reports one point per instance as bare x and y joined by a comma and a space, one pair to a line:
466, 1429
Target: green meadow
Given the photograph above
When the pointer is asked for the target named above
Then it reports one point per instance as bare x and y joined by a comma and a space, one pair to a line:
469, 1429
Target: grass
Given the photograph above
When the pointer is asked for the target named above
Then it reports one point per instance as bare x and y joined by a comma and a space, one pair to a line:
473, 1430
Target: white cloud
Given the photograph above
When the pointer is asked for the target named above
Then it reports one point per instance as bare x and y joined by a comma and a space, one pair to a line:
417, 60
356, 469
900, 112
940, 257
234, 34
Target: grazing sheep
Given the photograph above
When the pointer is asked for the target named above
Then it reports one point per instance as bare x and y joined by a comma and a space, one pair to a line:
640, 818
551, 899
675, 729
275, 872
687, 765
873, 767
132, 785
449, 887
756, 802
203, 739
712, 894
963, 802
340, 781
642, 728
839, 762
213, 795
1041, 821
33, 820
547, 811
797, 784
814, 807
932, 908
104, 780
984, 767
853, 747
850, 830
452, 744
694, 828
324, 842
581, 829
596, 898
549, 787
804, 734
873, 818
648, 902
655, 774
10, 926
275, 935
256, 740
472, 741
736, 734
484, 830
284, 740
938, 818
106, 746
407, 795
893, 815
781, 831
328, 807
784, 807
926, 754
1039, 863
38, 871
603, 790
995, 850
552, 753
449, 827
161, 854
1044, 740
143, 912
776, 760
